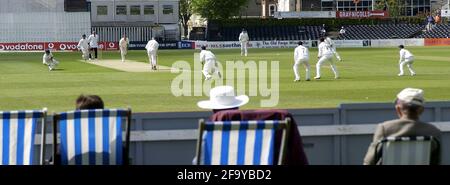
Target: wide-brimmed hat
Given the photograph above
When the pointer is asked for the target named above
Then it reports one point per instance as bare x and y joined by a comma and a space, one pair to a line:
223, 97
412, 96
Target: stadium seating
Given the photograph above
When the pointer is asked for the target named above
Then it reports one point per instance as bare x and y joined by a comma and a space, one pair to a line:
240, 142
17, 136
92, 137
381, 31
439, 31
267, 33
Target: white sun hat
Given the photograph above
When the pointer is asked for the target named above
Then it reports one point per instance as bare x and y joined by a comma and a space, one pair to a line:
412, 96
223, 97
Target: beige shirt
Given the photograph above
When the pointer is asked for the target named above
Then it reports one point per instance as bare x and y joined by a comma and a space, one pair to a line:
403, 128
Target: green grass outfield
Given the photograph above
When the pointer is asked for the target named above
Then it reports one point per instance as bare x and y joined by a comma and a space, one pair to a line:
367, 75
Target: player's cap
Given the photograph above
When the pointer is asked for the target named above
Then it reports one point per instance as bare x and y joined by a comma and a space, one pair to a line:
203, 47
223, 97
411, 96
47, 50
300, 42
401, 46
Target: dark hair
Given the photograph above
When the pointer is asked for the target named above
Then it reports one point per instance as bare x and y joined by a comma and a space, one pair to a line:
84, 35
203, 47
300, 43
401, 46
322, 39
47, 51
89, 102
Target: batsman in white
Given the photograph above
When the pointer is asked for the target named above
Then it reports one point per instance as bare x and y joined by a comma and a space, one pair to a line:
301, 56
49, 60
123, 45
152, 52
333, 48
243, 38
83, 46
406, 58
325, 55
210, 66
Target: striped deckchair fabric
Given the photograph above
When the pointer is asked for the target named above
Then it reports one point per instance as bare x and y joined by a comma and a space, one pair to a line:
412, 150
93, 137
17, 136
240, 142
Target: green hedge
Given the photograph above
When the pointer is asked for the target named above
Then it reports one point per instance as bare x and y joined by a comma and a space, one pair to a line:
329, 22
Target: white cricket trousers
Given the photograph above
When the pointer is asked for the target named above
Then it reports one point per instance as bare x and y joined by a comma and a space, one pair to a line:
327, 58
210, 68
52, 65
152, 58
408, 62
123, 52
85, 54
244, 50
305, 62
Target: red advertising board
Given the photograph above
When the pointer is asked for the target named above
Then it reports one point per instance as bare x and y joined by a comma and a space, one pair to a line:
54, 46
437, 42
376, 14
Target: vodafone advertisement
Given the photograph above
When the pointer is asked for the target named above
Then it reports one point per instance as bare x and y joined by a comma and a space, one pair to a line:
362, 14
55, 46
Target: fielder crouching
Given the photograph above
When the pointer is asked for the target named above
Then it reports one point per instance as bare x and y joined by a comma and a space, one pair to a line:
49, 60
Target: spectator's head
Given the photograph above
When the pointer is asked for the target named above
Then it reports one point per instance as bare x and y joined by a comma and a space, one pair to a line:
47, 51
401, 46
300, 43
409, 103
203, 47
322, 39
84, 36
89, 102
223, 98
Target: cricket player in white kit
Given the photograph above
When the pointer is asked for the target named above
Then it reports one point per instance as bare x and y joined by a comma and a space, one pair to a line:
325, 55
333, 47
243, 38
123, 45
152, 52
208, 59
93, 44
83, 46
406, 58
301, 56
48, 60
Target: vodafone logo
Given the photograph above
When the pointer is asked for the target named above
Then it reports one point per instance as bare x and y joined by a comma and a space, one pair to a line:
112, 45
51, 45
21, 46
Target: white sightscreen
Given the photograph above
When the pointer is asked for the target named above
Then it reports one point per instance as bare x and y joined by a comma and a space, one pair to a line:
44, 26
41, 21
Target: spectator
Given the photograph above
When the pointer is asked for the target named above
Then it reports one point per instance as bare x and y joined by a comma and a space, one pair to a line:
409, 105
89, 102
430, 22
223, 98
437, 19
342, 32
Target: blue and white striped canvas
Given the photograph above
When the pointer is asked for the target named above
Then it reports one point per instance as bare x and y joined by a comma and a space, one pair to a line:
92, 137
238, 143
17, 133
